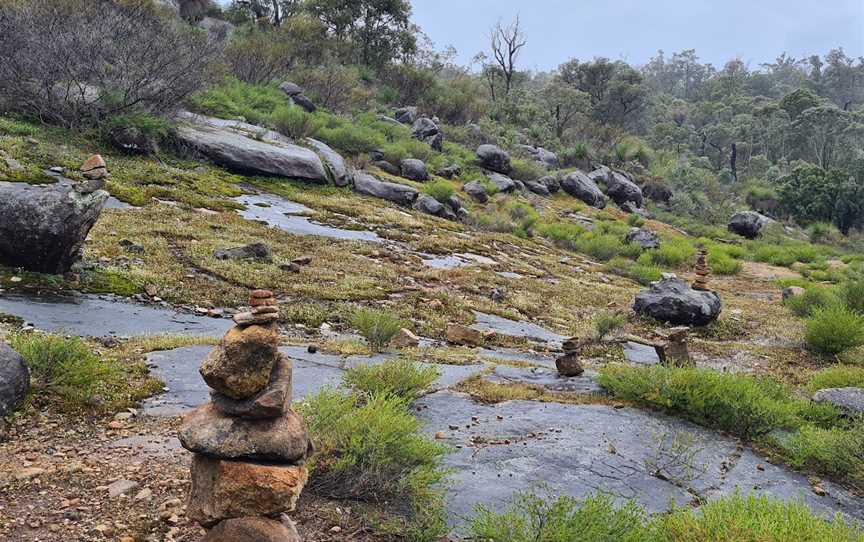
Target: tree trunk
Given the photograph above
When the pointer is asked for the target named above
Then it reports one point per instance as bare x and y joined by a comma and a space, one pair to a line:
733, 162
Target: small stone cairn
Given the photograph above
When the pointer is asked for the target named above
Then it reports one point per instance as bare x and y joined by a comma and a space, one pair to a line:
703, 271
250, 447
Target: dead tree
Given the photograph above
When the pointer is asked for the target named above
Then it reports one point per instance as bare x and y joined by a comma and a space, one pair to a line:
506, 42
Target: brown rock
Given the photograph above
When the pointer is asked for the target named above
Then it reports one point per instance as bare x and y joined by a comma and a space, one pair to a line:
302, 260
207, 431
262, 302
94, 162
261, 294
267, 309
271, 402
569, 365
245, 319
464, 335
252, 529
234, 489
404, 339
241, 365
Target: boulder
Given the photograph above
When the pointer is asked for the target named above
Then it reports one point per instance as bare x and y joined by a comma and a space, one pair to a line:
464, 335
429, 205
477, 191
600, 174
414, 169
551, 183
207, 431
582, 187
291, 89
427, 131
406, 115
545, 158
387, 167
454, 203
397, 193
252, 529
621, 190
240, 366
255, 251
646, 239
246, 148
848, 400
271, 402
132, 140
673, 301
14, 380
94, 168
537, 188
748, 224
569, 365
503, 183
793, 291
303, 101
334, 162
44, 227
449, 172
494, 159
234, 489
404, 339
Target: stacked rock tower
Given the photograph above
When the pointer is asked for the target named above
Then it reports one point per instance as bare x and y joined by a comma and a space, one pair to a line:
249, 446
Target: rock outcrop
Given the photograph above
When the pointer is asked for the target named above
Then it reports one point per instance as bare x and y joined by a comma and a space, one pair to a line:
427, 131
254, 251
673, 301
848, 400
477, 191
582, 187
503, 183
545, 158
44, 227
622, 190
397, 193
249, 446
338, 169
646, 239
251, 149
494, 159
414, 169
14, 380
406, 115
748, 224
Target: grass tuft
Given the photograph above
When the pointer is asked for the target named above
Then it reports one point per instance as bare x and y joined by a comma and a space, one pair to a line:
400, 377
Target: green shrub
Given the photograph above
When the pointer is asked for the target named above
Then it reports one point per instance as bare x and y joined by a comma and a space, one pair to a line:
294, 122
852, 295
608, 322
671, 253
400, 377
68, 368
146, 129
369, 448
524, 216
835, 329
744, 405
14, 127
397, 151
635, 221
603, 247
834, 452
577, 154
812, 299
723, 264
531, 518
564, 234
839, 376
235, 99
440, 190
525, 170
376, 326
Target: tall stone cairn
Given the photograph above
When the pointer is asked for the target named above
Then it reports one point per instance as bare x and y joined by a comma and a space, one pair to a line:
703, 271
250, 447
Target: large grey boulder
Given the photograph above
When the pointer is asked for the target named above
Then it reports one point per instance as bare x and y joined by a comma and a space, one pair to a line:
43, 227
247, 148
494, 159
406, 115
673, 301
427, 131
545, 158
477, 191
580, 186
748, 224
551, 183
14, 380
397, 193
414, 169
291, 89
504, 183
538, 188
304, 102
646, 239
333, 161
849, 400
622, 190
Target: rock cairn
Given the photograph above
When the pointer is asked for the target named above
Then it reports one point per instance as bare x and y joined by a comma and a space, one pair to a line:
250, 447
702, 271
569, 365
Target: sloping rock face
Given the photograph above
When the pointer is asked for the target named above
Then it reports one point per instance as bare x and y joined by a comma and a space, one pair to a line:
849, 400
748, 224
14, 380
247, 148
397, 193
427, 131
673, 301
494, 159
581, 187
503, 183
333, 160
44, 227
622, 190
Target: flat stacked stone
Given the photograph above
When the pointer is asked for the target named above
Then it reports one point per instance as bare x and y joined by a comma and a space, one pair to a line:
702, 271
570, 365
250, 447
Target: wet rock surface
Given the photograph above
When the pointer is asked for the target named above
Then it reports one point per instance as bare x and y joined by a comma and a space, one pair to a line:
849, 400
580, 449
585, 384
14, 380
512, 328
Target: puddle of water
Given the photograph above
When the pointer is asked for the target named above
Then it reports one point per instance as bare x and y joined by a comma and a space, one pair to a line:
96, 316
641, 354
512, 328
286, 215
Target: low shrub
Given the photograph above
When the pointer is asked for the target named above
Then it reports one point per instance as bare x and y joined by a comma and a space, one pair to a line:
723, 264
400, 377
350, 139
525, 170
812, 299
67, 368
376, 326
835, 452
671, 253
294, 122
235, 99
835, 329
840, 376
440, 190
564, 234
603, 247
852, 295
608, 322
524, 216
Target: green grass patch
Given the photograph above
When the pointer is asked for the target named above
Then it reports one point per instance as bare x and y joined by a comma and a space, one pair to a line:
839, 376
376, 326
813, 298
834, 329
400, 377
440, 190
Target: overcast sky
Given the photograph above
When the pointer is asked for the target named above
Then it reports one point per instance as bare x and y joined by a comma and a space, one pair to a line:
633, 30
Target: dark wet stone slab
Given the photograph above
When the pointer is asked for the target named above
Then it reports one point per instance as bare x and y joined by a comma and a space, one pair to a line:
98, 316
641, 354
512, 354
512, 328
581, 449
287, 215
550, 379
